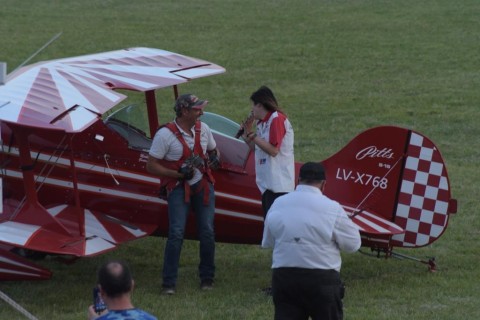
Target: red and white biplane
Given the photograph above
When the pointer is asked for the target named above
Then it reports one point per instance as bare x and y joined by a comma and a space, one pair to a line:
75, 183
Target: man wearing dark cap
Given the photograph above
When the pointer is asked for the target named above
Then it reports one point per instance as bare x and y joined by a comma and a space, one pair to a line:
182, 154
307, 231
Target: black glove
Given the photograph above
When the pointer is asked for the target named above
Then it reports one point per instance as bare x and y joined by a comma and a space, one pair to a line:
187, 172
213, 161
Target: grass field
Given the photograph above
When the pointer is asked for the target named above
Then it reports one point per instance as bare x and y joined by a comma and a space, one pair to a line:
337, 68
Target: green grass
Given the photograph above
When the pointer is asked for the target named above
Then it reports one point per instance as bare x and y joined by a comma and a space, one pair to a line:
337, 68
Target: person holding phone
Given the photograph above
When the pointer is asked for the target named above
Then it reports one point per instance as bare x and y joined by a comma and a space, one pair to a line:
115, 285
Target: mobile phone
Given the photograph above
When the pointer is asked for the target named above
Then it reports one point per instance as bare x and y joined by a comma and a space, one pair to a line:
98, 303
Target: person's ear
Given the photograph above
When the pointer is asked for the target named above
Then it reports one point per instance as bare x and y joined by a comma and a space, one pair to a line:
322, 185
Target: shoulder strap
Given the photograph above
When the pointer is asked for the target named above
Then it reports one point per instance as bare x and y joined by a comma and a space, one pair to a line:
198, 133
174, 129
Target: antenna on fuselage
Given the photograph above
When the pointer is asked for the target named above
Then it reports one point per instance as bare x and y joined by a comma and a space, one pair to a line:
55, 37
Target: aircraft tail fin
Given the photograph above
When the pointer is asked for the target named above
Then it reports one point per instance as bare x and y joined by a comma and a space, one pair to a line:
394, 181
424, 198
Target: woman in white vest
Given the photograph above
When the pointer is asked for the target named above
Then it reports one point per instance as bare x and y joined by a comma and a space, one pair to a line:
273, 140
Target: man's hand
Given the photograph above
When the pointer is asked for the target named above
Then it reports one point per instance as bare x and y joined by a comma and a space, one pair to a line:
213, 160
91, 314
187, 172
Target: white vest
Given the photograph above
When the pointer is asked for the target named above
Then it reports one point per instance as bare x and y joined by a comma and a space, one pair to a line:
276, 174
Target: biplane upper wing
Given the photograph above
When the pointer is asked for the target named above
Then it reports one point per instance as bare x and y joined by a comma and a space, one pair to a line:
69, 94
395, 183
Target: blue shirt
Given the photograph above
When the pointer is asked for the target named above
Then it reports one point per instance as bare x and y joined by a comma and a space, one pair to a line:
129, 314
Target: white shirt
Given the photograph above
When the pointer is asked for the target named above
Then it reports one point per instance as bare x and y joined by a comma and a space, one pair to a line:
308, 230
166, 145
276, 174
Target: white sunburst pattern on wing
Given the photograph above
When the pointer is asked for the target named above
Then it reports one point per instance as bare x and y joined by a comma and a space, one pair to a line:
138, 233
98, 239
76, 90
94, 227
56, 210
17, 233
130, 82
53, 90
15, 95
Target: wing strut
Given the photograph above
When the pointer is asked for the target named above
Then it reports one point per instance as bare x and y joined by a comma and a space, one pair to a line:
31, 211
152, 112
78, 209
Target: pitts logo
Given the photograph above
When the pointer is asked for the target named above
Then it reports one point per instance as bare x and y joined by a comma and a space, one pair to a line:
374, 152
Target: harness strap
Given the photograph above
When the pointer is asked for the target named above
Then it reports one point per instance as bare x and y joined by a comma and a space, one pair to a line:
198, 150
186, 150
171, 183
202, 185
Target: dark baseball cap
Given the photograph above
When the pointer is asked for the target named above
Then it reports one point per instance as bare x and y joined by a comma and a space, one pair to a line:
189, 101
312, 171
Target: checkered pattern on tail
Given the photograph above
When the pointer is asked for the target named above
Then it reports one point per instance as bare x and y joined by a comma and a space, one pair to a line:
424, 195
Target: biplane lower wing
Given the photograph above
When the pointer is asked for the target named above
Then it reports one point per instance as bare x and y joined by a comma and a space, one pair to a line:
395, 183
15, 267
81, 233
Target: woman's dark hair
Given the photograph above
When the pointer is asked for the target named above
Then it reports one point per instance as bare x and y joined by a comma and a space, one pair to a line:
265, 97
